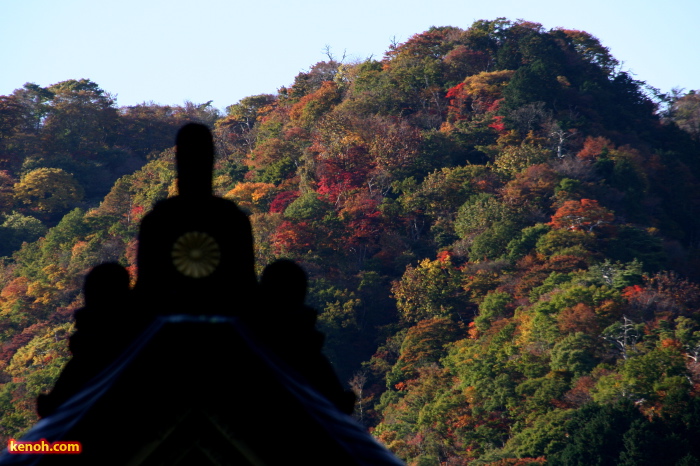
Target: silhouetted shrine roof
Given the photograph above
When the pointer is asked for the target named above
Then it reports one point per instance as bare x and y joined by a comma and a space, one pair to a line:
201, 390
156, 380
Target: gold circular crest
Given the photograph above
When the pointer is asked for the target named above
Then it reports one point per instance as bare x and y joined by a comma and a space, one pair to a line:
196, 254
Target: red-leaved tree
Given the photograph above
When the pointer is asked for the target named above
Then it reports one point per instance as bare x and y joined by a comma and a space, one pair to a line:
583, 215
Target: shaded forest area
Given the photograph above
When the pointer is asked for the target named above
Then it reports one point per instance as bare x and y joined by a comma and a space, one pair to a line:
501, 228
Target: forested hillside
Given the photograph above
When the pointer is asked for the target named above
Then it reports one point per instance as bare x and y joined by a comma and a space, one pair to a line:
501, 228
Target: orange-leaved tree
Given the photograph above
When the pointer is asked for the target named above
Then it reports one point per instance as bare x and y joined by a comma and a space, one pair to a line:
583, 215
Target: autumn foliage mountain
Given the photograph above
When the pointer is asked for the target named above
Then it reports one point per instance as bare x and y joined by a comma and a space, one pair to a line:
500, 226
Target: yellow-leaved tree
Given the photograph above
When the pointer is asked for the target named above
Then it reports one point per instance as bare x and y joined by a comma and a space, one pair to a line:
48, 192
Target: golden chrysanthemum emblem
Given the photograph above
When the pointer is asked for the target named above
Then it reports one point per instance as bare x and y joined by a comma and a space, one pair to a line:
196, 254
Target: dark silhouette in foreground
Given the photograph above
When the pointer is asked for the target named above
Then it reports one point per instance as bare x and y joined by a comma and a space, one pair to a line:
198, 363
195, 250
104, 328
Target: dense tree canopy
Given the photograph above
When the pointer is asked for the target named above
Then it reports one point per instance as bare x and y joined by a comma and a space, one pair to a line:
500, 228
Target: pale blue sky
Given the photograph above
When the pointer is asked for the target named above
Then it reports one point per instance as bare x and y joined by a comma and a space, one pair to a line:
172, 51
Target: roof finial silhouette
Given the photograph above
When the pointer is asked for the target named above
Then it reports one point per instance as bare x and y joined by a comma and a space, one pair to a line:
197, 307
195, 160
196, 249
